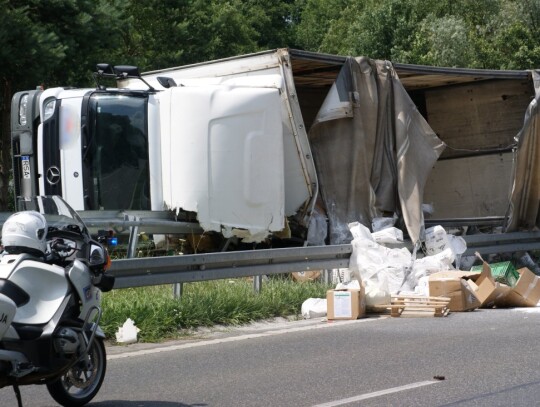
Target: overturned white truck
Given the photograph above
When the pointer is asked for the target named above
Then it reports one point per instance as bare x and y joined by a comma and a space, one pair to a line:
276, 143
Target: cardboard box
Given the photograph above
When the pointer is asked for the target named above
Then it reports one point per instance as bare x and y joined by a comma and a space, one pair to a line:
346, 304
458, 286
303, 276
503, 272
526, 292
489, 291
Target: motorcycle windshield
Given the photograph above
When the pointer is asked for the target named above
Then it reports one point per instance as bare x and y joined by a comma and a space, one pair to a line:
57, 211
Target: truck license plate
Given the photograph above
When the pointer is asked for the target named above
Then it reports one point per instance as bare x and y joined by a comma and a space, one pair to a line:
25, 161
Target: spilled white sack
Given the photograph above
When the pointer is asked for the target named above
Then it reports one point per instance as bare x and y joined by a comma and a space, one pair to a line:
314, 308
377, 292
372, 261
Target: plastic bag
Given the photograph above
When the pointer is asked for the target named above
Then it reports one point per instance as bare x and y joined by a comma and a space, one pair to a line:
314, 308
388, 235
436, 240
359, 231
431, 264
127, 333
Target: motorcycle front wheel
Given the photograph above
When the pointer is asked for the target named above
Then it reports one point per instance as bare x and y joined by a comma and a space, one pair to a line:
82, 382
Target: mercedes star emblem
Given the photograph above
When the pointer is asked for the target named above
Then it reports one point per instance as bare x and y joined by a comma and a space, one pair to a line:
53, 175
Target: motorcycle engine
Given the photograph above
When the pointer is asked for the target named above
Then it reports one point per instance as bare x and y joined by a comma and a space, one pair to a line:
66, 341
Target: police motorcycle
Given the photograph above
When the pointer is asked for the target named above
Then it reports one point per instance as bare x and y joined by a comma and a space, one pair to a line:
52, 274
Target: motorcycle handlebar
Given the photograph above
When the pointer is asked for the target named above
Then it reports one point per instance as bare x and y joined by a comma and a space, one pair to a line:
58, 245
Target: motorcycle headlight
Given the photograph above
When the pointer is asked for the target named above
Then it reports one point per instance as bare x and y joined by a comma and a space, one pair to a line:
98, 256
23, 104
48, 108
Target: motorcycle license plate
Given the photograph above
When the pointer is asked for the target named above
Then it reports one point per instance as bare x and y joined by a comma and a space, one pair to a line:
25, 166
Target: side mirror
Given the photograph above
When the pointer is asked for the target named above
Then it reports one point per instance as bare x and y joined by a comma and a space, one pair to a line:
127, 71
104, 69
166, 82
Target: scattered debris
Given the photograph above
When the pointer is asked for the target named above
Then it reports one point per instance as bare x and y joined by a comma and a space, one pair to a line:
303, 276
346, 302
392, 280
314, 308
414, 306
127, 333
458, 286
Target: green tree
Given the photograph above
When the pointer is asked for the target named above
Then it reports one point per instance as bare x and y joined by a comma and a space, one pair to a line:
172, 33
464, 33
316, 20
51, 43
274, 22
513, 41
440, 41
25, 52
386, 29
220, 29
157, 36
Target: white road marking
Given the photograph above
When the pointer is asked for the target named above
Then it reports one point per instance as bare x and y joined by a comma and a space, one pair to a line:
376, 394
171, 348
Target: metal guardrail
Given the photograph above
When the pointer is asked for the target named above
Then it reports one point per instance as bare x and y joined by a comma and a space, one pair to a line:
121, 222
213, 266
502, 242
147, 271
138, 272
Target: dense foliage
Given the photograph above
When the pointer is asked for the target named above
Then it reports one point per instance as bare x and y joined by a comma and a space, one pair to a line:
58, 42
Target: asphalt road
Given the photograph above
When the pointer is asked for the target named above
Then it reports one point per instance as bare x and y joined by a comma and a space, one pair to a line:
480, 358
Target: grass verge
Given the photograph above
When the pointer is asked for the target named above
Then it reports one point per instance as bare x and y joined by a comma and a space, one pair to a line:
160, 316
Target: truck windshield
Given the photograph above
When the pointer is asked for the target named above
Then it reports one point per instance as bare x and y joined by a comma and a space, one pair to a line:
116, 156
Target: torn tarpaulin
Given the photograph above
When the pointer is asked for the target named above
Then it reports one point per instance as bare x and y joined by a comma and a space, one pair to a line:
373, 151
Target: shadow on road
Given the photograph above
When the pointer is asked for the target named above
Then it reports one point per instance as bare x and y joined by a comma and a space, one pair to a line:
491, 394
143, 403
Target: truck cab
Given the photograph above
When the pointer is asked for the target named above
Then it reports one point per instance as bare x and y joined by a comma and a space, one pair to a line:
212, 149
91, 146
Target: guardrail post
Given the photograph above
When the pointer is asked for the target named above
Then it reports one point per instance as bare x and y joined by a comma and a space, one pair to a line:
133, 238
178, 290
257, 284
327, 277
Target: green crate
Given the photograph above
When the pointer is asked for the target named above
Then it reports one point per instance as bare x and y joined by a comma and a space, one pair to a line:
503, 272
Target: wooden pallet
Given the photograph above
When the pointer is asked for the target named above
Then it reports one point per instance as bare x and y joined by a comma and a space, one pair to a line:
416, 306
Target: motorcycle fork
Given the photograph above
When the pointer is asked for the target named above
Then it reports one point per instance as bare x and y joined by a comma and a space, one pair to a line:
87, 335
94, 313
